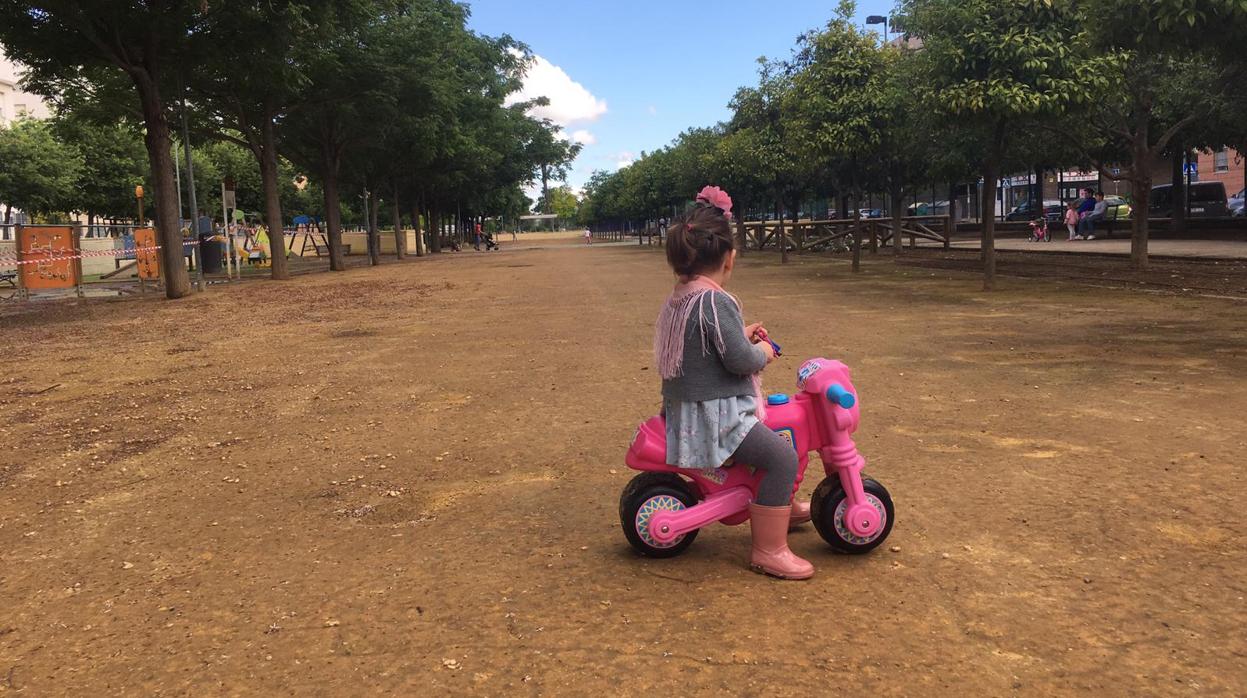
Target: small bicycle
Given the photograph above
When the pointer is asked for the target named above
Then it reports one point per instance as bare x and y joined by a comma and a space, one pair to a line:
664, 507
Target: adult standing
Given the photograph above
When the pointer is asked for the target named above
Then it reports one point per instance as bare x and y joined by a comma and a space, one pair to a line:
204, 224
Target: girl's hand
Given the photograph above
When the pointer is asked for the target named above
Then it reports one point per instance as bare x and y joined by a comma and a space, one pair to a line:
751, 331
768, 350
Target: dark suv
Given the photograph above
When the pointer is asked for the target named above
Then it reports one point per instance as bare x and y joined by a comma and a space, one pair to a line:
1208, 200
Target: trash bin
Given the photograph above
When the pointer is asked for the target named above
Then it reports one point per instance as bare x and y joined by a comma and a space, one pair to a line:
211, 253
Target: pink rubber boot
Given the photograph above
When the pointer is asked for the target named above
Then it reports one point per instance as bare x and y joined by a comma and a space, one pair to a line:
800, 514
770, 555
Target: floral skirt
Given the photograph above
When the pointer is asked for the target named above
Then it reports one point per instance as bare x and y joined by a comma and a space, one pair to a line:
705, 434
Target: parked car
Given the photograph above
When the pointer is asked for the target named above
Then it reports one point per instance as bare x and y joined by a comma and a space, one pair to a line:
1025, 211
1208, 200
1118, 209
873, 213
1238, 203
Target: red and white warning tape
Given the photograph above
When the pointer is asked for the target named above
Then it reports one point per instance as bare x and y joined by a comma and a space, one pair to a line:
11, 260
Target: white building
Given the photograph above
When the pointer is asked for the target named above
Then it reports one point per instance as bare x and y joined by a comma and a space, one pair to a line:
13, 102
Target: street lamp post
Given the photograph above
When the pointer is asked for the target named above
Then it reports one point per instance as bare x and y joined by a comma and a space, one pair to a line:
879, 19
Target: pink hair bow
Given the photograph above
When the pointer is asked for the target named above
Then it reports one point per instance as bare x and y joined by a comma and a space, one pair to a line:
718, 198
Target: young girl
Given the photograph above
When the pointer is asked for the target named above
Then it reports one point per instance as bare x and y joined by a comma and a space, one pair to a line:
710, 364
1071, 219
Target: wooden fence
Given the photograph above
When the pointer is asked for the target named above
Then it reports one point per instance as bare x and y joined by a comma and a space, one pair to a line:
838, 235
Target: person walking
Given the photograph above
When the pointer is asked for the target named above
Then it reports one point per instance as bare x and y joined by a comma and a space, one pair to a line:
1071, 220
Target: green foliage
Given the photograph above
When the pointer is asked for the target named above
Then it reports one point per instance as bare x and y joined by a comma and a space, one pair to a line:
1002, 60
562, 202
38, 173
113, 163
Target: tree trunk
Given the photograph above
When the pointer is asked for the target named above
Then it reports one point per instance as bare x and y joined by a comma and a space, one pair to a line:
333, 212
1177, 213
400, 235
898, 222
8, 213
374, 233
991, 172
272, 202
545, 190
415, 224
435, 231
158, 141
1141, 183
857, 234
740, 233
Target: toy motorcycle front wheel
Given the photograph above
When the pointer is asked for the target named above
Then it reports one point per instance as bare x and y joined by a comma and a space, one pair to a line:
648, 493
828, 507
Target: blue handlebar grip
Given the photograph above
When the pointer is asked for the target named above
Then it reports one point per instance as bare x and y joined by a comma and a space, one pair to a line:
778, 351
838, 395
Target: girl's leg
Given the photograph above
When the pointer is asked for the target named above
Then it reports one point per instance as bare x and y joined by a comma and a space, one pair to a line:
771, 514
770, 452
1071, 231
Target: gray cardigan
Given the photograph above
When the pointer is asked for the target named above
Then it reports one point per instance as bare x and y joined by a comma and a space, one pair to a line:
716, 372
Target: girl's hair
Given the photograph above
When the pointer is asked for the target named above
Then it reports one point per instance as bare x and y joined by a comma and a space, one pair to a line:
699, 241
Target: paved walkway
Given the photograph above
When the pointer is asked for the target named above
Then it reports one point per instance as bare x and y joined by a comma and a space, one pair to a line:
1205, 249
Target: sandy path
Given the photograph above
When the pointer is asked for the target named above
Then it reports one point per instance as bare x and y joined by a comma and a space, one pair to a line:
405, 479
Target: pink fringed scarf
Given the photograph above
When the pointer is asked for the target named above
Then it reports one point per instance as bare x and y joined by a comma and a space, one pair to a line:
687, 298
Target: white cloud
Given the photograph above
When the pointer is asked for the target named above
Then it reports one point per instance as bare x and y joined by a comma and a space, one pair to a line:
584, 137
570, 102
653, 110
623, 159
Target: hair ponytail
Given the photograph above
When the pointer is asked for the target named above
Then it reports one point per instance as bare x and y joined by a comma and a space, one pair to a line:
699, 241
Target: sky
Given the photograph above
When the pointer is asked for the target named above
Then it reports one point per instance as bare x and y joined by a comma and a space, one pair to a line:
627, 77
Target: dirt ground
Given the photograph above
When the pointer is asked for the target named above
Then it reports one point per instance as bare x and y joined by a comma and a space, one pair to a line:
405, 480
1217, 278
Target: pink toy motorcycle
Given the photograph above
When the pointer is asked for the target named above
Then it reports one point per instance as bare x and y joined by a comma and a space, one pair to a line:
664, 507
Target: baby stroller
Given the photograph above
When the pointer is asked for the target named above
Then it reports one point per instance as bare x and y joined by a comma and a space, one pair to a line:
488, 239
1039, 231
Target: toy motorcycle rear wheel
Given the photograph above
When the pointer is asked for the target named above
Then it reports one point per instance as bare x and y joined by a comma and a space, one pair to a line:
646, 494
827, 509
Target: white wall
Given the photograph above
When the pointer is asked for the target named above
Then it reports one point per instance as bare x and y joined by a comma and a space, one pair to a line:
14, 102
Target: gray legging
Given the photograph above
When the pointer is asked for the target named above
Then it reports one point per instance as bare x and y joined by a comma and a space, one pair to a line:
770, 452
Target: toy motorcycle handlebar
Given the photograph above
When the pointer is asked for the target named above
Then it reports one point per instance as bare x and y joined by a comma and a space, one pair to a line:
761, 334
839, 396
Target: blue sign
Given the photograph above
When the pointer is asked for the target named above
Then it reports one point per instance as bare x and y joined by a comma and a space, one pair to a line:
1191, 168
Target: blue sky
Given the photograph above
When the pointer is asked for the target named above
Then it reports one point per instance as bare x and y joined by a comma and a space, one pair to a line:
626, 77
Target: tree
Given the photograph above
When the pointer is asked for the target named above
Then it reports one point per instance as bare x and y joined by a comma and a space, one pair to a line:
113, 163
66, 40
1150, 96
344, 81
995, 65
553, 156
841, 107
243, 104
38, 172
562, 202
767, 140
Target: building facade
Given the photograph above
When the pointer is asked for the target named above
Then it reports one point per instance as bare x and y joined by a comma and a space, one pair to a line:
14, 103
